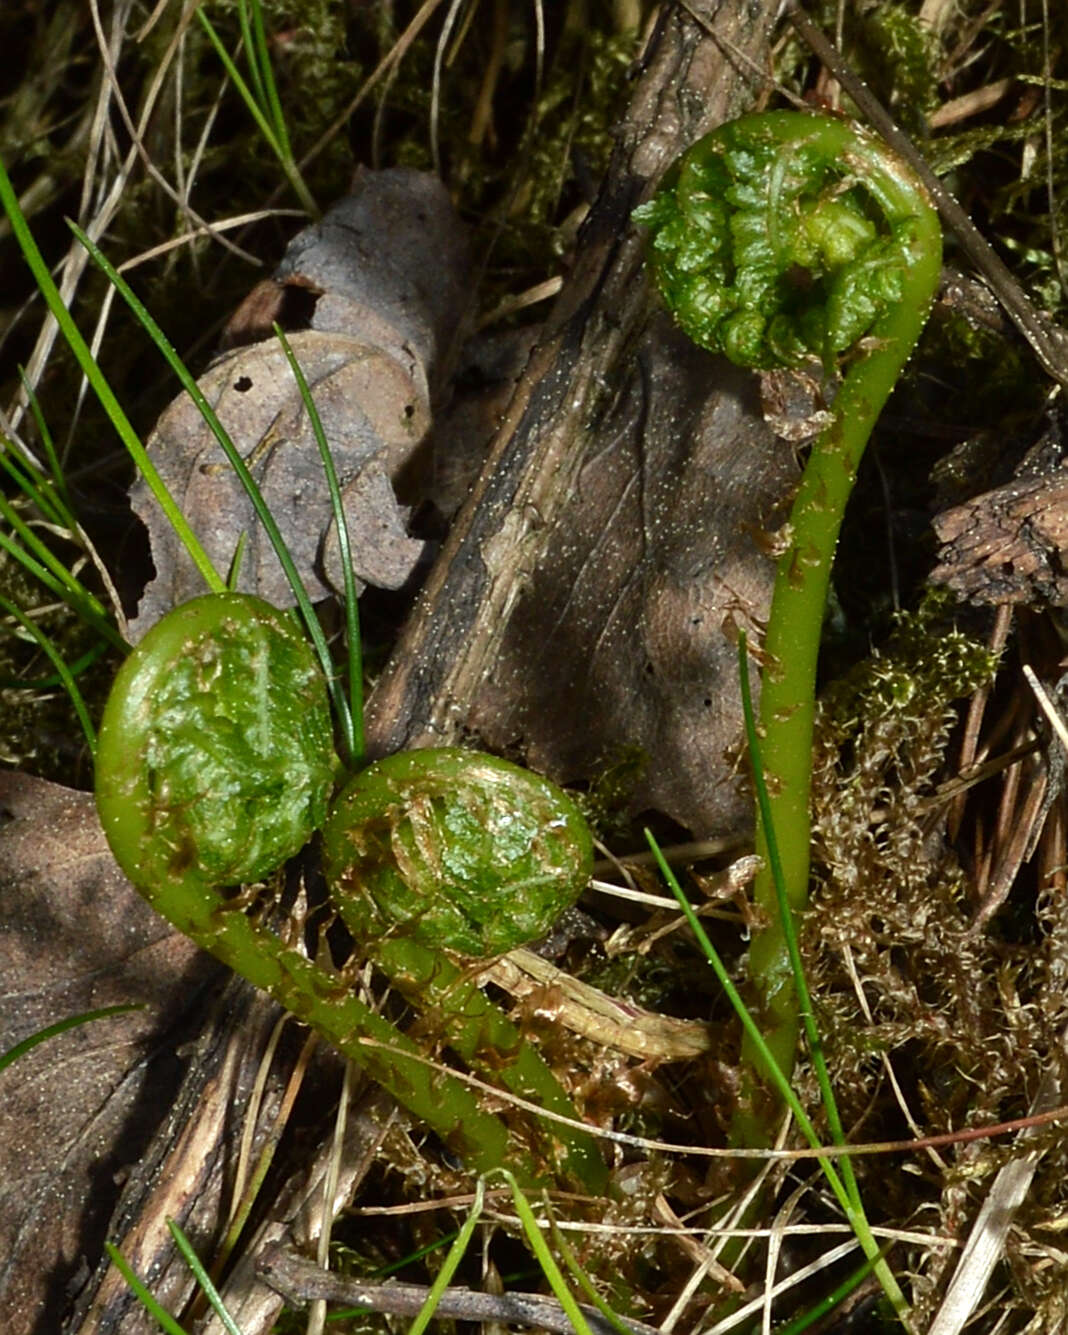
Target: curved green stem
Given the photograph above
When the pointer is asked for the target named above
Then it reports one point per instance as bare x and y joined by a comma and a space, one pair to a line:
325, 1001
777, 239
213, 767
442, 856
483, 1036
792, 642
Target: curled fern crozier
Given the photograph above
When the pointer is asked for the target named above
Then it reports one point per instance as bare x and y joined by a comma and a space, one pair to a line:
781, 237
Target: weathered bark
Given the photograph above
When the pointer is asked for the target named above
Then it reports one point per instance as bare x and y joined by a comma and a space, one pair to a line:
579, 605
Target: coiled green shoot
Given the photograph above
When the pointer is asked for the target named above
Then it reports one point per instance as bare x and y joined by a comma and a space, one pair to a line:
779, 239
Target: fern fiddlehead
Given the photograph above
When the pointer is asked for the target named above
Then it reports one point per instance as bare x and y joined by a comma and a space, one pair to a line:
440, 857
215, 765
216, 756
777, 239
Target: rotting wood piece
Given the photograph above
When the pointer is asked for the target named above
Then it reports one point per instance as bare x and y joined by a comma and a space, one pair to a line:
1010, 544
615, 423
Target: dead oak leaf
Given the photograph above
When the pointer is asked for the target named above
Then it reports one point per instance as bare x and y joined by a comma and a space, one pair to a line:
77, 1109
378, 292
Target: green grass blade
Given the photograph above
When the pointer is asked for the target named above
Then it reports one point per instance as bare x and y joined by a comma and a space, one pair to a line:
80, 600
34, 485
60, 1027
234, 74
234, 573
454, 1256
851, 1208
236, 462
49, 494
166, 1322
252, 57
774, 1071
259, 56
75, 669
835, 1298
352, 720
277, 147
99, 383
46, 440
202, 1277
581, 1278
65, 674
546, 1260
76, 592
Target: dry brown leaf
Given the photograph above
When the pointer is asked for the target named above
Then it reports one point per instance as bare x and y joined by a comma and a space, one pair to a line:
623, 638
382, 284
78, 1109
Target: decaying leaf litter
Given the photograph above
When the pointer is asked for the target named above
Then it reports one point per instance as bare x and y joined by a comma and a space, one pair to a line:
900, 906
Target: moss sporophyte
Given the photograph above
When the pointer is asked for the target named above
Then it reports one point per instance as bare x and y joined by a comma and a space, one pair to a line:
215, 765
781, 239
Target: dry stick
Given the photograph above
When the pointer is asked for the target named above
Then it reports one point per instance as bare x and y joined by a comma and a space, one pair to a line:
299, 1280
1048, 341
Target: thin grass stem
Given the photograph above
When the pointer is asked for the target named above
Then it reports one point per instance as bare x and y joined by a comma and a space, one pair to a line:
835, 1298
98, 381
279, 147
260, 59
237, 463
143, 1294
202, 1277
80, 664
352, 719
75, 592
580, 1277
79, 599
34, 485
20, 1049
45, 434
452, 1260
64, 672
545, 1258
851, 1208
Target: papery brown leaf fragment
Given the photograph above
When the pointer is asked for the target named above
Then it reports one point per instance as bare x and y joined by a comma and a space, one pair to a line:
381, 285
550, 993
78, 1109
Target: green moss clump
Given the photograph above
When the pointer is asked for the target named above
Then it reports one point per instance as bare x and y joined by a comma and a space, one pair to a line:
968, 1014
881, 738
899, 55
